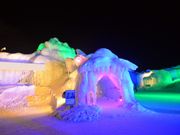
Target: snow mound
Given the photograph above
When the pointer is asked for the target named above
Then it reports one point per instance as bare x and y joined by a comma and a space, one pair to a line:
80, 114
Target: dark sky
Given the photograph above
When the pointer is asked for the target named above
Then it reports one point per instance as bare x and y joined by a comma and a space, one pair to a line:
147, 36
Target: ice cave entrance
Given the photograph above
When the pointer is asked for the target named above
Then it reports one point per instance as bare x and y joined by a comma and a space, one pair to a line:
104, 80
108, 93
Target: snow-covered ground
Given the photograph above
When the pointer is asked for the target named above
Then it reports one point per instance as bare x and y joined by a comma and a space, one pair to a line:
135, 123
113, 121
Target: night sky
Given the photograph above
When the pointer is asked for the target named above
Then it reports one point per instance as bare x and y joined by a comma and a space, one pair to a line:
148, 36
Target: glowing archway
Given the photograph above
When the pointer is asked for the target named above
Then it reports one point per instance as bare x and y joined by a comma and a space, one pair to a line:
104, 63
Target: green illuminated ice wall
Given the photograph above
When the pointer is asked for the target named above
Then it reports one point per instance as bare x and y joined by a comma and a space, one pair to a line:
158, 79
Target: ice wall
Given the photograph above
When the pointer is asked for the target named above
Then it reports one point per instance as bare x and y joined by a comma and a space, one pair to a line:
15, 97
159, 79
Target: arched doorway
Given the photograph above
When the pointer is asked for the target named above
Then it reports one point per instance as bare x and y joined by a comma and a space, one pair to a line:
103, 63
108, 94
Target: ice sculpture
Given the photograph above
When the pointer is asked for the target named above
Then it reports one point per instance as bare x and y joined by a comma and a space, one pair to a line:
55, 68
103, 64
62, 50
159, 79
45, 69
102, 80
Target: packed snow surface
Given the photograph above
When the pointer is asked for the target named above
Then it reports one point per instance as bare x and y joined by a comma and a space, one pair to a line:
124, 124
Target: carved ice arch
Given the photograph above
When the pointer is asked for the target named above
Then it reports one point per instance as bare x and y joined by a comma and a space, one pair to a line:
98, 66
